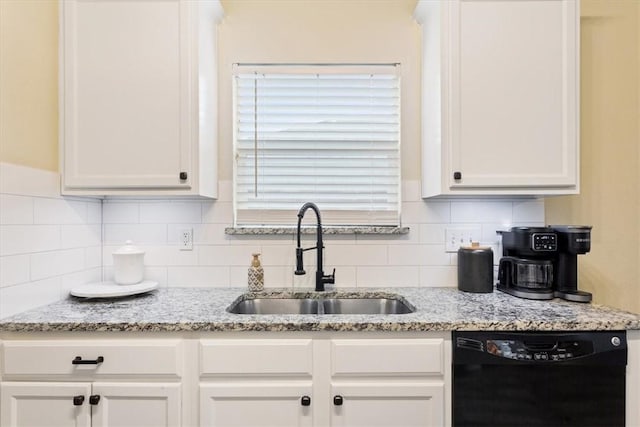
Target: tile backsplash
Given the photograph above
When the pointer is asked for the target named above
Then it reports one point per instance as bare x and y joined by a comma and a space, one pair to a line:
49, 243
415, 259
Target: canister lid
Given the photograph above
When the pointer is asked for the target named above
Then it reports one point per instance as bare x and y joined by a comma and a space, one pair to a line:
128, 249
475, 246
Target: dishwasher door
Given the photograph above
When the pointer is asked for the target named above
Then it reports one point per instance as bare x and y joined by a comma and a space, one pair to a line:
539, 379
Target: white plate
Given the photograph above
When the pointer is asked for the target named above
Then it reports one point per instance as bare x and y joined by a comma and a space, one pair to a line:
111, 289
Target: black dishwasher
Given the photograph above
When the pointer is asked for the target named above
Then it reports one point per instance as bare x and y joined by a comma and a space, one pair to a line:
539, 379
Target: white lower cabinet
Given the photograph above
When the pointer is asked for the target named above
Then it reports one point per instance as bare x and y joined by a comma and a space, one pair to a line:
27, 404
325, 381
384, 403
256, 404
96, 383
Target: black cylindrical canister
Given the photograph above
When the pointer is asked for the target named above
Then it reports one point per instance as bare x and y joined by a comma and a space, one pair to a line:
475, 269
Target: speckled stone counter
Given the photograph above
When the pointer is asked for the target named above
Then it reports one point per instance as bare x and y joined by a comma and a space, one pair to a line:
437, 309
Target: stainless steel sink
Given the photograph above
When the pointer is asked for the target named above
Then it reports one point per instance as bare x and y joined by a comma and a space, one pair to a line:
365, 306
321, 306
276, 306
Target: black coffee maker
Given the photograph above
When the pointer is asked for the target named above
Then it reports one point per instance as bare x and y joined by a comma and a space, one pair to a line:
541, 262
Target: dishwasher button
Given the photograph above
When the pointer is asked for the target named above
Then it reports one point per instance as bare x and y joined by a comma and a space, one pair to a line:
615, 341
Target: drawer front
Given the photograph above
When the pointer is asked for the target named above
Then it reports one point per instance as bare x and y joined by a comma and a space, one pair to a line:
387, 357
36, 358
256, 357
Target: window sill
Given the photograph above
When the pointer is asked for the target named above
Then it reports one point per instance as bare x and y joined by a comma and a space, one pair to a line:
328, 230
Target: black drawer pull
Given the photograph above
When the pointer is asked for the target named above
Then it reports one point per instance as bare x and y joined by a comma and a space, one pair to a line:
78, 400
305, 401
78, 361
337, 400
94, 399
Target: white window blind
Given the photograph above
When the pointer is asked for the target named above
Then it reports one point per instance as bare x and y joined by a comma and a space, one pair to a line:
323, 134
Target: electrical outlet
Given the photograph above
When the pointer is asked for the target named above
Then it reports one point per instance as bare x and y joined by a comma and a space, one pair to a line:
461, 236
186, 239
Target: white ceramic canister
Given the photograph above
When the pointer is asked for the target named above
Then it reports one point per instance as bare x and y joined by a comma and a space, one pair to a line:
128, 264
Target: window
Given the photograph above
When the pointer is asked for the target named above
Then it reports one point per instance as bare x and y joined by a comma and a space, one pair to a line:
328, 134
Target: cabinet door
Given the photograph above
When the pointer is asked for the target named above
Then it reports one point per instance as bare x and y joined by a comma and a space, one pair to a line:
513, 93
255, 404
378, 404
140, 405
26, 404
125, 93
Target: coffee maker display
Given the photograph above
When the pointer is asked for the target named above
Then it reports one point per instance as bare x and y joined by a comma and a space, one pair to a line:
541, 262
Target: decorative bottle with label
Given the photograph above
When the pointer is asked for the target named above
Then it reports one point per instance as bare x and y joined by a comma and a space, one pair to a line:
255, 275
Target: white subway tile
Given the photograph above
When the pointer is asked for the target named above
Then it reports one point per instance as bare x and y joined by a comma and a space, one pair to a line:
140, 234
528, 210
21, 239
226, 255
274, 277
433, 276
49, 264
120, 213
354, 255
432, 233
426, 212
93, 257
16, 209
170, 212
388, 276
278, 255
198, 276
14, 270
94, 212
164, 255
19, 298
287, 239
418, 255
59, 211
216, 212
478, 212
346, 277
82, 235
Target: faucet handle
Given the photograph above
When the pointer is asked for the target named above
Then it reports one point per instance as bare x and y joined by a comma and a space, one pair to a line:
329, 278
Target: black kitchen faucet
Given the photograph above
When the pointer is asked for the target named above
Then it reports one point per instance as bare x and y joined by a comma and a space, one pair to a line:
321, 278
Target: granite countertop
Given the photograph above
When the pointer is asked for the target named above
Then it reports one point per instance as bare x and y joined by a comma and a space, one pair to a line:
204, 309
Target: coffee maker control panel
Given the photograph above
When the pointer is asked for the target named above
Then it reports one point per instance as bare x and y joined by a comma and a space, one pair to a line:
544, 242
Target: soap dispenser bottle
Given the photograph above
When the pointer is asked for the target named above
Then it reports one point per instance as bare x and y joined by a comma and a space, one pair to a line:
255, 278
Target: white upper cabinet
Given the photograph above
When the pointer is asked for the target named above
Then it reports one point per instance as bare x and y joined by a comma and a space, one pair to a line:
500, 97
138, 86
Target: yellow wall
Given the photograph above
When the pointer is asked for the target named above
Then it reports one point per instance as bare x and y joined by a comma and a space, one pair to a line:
29, 83
322, 31
610, 157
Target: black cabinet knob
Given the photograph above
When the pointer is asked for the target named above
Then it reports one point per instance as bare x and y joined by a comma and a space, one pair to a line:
305, 401
78, 400
183, 176
78, 361
337, 400
94, 399
457, 175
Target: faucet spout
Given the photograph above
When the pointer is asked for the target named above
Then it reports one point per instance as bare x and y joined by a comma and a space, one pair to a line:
321, 278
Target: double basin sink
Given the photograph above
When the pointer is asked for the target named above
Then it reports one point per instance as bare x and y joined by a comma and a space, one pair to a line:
322, 305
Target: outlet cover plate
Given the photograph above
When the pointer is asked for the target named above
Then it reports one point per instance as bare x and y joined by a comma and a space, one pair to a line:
461, 236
